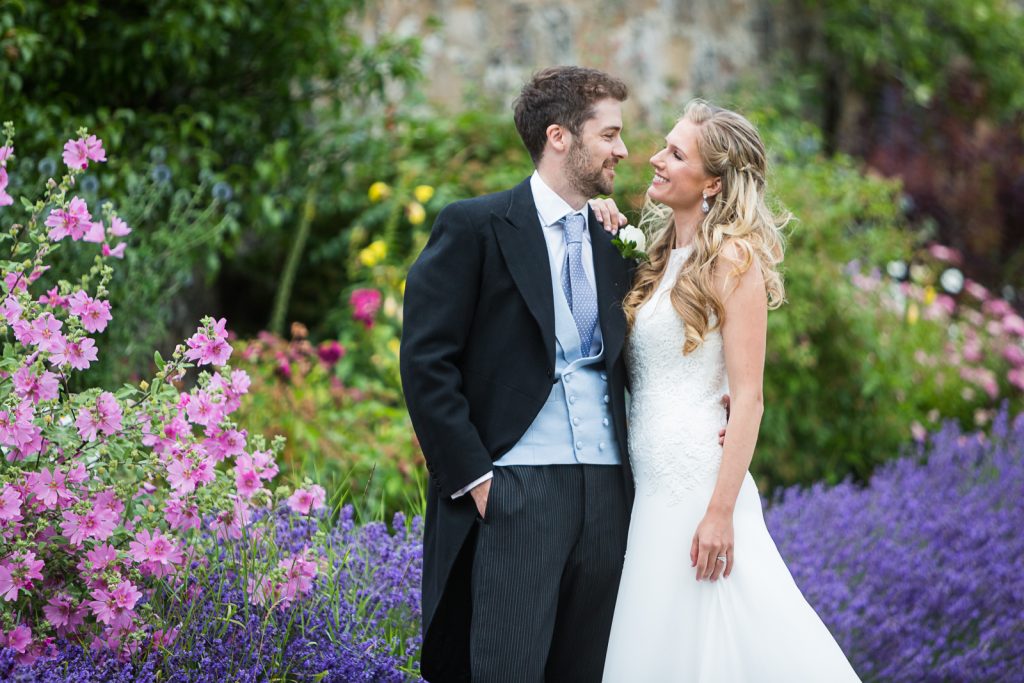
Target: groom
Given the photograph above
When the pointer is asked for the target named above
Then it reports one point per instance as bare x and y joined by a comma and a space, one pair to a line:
513, 373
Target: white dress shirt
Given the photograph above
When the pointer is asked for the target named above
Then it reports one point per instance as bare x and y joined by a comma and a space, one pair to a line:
551, 209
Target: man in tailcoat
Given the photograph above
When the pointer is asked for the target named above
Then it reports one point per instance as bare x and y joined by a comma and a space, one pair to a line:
513, 373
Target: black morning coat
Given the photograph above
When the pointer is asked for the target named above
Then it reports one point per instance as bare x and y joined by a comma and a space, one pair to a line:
477, 365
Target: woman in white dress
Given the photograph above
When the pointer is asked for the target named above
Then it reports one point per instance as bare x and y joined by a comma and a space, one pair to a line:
705, 595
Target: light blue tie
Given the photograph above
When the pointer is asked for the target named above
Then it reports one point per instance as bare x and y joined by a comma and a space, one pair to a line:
578, 293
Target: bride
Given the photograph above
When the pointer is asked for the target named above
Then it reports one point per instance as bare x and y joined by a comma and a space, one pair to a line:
705, 595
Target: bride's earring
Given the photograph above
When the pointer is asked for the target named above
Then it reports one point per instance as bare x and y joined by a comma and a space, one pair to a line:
704, 204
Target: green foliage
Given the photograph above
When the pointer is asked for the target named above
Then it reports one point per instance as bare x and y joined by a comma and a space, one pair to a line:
926, 46
826, 415
344, 429
271, 98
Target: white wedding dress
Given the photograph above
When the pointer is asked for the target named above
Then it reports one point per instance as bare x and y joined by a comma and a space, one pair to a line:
753, 627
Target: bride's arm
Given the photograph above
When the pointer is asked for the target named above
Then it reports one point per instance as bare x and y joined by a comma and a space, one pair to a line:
744, 332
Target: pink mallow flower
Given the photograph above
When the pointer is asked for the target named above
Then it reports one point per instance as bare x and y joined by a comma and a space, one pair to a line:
96, 316
62, 612
18, 638
204, 408
181, 514
17, 573
209, 349
104, 417
50, 488
98, 523
27, 384
10, 504
228, 524
17, 428
303, 501
118, 228
74, 221
95, 233
114, 607
94, 313
78, 153
157, 553
11, 310
45, 333
248, 482
299, 575
5, 199
79, 354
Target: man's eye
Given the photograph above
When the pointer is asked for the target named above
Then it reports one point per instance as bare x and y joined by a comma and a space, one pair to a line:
676, 155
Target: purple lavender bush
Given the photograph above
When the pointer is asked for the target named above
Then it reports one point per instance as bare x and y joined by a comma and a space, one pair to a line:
919, 575
360, 621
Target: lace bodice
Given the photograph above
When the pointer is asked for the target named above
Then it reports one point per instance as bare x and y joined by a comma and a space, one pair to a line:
675, 402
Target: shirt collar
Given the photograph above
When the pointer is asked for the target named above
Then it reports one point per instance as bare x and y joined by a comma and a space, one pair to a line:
550, 206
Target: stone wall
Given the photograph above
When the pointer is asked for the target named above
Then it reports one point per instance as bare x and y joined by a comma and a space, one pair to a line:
666, 50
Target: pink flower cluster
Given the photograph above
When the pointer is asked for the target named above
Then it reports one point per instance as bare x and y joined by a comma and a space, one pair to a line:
78, 153
74, 456
209, 347
988, 329
75, 220
293, 578
365, 304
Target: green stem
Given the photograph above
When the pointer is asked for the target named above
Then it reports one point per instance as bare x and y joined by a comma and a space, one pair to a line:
284, 290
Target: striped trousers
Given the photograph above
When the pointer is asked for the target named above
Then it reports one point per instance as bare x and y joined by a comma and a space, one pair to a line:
546, 570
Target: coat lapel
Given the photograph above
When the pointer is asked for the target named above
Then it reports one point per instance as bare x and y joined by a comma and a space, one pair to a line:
521, 241
612, 275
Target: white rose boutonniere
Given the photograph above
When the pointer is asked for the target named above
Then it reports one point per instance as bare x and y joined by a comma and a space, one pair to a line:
632, 243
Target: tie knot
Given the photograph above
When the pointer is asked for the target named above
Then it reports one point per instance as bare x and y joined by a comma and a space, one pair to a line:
574, 226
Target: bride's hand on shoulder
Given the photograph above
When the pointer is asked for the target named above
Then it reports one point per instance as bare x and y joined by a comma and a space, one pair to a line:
712, 540
608, 214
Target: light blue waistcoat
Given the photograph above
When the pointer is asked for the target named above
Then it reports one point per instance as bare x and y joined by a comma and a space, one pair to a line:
575, 425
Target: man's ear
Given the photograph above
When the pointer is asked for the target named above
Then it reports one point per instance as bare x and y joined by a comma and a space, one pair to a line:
713, 187
558, 137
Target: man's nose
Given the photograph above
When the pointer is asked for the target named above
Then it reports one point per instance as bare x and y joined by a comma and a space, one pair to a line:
620, 150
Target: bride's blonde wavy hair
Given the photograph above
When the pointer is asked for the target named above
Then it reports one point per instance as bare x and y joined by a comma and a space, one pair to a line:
731, 149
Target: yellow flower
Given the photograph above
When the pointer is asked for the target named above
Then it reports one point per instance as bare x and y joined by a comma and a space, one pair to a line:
374, 253
913, 314
378, 191
929, 295
423, 193
416, 213
401, 287
394, 345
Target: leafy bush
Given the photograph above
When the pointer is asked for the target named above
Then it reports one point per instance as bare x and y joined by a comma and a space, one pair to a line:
919, 574
342, 430
102, 489
228, 114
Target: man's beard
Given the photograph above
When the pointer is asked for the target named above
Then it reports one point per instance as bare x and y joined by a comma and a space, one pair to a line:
588, 182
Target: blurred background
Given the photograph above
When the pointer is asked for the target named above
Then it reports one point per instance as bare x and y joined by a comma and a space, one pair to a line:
282, 162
